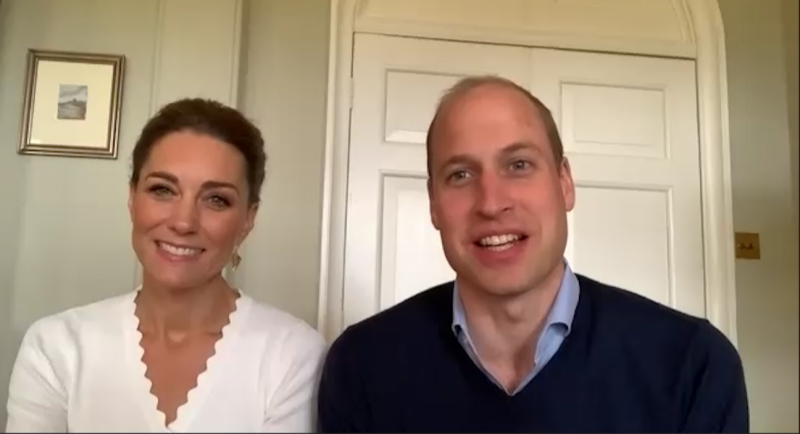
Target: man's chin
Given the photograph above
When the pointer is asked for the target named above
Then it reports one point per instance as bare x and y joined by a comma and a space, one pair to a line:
499, 283
505, 290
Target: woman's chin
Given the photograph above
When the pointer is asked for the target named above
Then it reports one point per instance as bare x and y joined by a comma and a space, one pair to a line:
180, 279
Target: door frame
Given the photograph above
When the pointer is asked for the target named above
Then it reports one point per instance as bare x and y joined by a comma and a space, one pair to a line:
700, 21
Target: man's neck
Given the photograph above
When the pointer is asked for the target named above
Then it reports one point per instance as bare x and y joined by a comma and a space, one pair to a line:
505, 330
169, 312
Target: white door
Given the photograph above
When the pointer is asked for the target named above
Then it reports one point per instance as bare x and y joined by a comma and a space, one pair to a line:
629, 127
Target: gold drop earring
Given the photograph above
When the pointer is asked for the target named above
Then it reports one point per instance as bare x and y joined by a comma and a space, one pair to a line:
235, 260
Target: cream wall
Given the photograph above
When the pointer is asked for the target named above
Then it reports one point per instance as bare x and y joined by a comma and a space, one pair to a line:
284, 87
59, 248
767, 290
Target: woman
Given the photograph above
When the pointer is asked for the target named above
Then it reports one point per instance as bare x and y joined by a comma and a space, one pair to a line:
185, 352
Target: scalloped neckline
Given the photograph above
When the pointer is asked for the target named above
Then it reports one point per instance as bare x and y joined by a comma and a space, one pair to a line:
205, 380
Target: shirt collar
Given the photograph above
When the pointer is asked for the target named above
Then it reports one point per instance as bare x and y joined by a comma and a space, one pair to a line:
562, 312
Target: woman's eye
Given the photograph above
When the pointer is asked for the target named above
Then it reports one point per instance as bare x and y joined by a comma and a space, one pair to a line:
160, 190
219, 201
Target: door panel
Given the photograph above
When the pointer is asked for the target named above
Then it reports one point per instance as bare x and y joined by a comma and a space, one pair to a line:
611, 225
411, 253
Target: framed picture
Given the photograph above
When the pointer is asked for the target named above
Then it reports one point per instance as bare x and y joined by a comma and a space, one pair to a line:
72, 104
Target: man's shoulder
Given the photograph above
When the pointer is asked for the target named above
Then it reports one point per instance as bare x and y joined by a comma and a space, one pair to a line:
629, 308
659, 357
400, 324
644, 322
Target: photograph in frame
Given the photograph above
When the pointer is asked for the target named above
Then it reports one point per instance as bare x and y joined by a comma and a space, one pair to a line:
72, 104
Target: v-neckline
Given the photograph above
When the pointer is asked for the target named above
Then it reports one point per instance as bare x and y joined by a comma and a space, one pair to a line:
205, 380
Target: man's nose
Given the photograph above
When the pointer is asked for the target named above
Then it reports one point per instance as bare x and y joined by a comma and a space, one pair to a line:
184, 218
492, 196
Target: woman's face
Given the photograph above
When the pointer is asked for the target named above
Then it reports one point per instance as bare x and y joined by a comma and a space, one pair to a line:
189, 209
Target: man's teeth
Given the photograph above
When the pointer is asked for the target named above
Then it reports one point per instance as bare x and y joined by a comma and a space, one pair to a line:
498, 240
178, 251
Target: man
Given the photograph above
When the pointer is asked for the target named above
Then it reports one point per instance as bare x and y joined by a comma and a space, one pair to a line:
518, 342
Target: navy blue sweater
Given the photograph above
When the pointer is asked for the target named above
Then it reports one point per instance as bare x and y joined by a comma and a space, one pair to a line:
629, 364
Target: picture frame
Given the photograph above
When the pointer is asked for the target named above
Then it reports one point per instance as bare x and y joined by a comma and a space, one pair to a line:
72, 104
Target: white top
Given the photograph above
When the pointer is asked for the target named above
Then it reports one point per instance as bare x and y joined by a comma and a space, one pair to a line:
81, 370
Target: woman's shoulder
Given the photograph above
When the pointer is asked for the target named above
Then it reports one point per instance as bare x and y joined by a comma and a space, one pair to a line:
54, 341
66, 326
278, 331
266, 320
289, 350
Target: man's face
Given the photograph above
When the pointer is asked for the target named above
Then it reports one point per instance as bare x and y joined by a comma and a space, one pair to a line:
498, 196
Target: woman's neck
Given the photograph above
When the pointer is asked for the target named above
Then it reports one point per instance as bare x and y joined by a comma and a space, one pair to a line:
167, 312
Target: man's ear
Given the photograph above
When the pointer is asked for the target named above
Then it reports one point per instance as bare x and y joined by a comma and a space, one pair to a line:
432, 205
567, 184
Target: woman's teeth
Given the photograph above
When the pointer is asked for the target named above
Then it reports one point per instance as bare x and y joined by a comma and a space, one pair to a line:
178, 251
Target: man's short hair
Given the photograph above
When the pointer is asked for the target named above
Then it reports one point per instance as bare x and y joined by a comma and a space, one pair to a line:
465, 85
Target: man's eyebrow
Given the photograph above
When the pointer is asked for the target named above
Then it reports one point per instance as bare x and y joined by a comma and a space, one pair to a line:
465, 159
458, 159
521, 146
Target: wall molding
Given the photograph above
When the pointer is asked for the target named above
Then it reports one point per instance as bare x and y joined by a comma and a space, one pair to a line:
715, 160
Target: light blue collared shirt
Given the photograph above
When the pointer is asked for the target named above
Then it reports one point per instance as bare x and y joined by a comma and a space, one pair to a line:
556, 327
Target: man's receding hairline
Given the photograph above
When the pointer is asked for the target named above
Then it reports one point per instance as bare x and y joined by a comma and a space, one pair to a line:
470, 84
467, 85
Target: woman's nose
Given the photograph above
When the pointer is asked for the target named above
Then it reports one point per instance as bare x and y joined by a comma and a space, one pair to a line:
184, 218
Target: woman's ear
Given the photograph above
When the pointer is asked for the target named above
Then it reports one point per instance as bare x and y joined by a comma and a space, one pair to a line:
249, 223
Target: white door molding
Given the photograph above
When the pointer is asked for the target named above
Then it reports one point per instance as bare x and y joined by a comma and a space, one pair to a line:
693, 30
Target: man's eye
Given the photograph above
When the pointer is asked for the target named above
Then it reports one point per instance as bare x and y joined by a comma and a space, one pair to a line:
458, 175
520, 165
